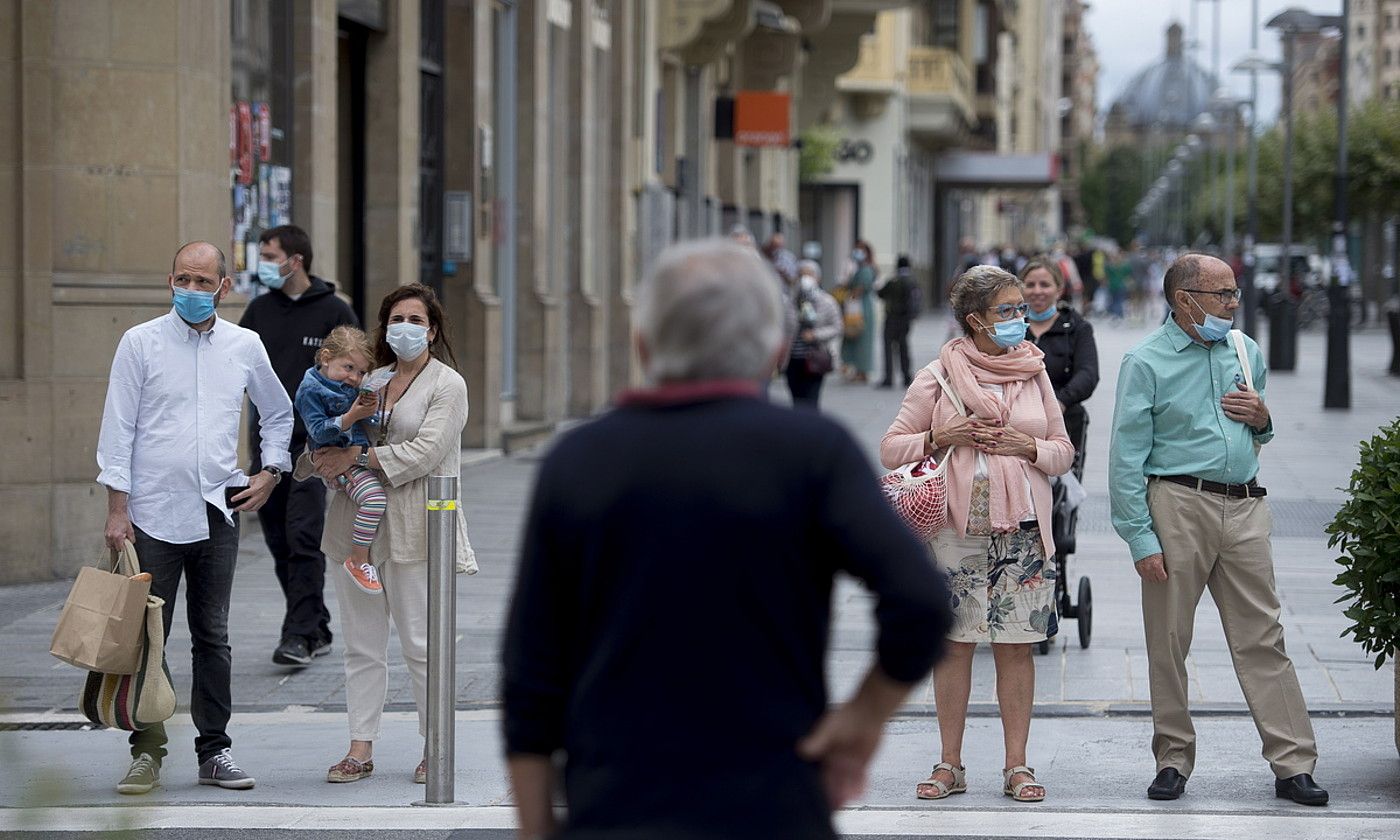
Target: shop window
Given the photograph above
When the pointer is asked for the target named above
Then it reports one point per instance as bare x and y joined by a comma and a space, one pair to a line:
260, 127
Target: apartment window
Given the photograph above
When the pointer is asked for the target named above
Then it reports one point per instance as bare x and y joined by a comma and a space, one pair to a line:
1389, 56
943, 24
1361, 30
1389, 23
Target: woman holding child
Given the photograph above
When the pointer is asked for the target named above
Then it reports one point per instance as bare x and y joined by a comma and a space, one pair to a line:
417, 421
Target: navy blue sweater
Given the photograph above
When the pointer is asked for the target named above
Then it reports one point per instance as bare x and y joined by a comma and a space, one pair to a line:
670, 619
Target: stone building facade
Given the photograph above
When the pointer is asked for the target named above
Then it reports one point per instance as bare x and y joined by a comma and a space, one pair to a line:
528, 158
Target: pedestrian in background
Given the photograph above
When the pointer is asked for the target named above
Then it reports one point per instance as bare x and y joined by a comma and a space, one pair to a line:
682, 548
858, 342
168, 454
818, 326
1004, 448
292, 319
1187, 422
422, 411
897, 293
1067, 340
784, 262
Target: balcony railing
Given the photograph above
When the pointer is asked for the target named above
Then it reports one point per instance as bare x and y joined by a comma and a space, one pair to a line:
941, 72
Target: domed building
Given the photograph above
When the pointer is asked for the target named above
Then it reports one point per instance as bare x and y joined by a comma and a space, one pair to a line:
1161, 101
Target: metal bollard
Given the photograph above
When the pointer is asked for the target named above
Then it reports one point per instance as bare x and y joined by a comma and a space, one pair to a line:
442, 637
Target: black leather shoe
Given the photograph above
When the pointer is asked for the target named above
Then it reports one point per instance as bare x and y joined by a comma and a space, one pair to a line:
1301, 789
1169, 784
885, 384
292, 651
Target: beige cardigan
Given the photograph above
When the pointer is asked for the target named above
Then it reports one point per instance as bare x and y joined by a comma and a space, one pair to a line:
425, 438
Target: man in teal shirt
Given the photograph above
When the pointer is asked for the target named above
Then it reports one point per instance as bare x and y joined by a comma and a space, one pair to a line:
1182, 465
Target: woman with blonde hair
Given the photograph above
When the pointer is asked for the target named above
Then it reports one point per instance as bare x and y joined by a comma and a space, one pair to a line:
987, 406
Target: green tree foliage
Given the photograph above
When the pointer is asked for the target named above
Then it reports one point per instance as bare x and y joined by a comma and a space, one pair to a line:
1373, 171
1110, 190
818, 155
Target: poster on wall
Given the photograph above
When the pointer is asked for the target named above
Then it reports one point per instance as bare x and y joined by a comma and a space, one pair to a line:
262, 113
260, 188
244, 166
280, 201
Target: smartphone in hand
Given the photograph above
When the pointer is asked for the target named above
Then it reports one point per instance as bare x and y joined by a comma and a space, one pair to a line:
231, 491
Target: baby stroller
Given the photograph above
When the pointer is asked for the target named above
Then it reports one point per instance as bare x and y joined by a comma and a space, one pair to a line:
1065, 519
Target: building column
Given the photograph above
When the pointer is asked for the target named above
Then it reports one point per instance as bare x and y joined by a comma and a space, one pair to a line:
624, 187
472, 299
539, 337
117, 155
391, 155
587, 326
315, 99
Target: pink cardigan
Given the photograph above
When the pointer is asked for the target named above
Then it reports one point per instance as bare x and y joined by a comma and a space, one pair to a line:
1036, 412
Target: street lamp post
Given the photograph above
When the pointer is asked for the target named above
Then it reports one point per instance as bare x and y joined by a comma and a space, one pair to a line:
1337, 386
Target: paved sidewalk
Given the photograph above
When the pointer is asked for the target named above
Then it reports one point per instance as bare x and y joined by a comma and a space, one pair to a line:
1089, 740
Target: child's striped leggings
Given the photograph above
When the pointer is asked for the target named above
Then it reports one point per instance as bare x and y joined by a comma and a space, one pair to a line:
367, 493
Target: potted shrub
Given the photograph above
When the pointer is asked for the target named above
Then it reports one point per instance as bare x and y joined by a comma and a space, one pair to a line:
1367, 531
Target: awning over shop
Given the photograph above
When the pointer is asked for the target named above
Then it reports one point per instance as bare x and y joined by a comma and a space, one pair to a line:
989, 170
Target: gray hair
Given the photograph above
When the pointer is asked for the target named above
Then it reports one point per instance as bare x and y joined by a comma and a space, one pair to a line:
709, 310
975, 290
811, 267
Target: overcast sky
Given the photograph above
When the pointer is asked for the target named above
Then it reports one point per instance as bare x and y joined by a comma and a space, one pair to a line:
1131, 34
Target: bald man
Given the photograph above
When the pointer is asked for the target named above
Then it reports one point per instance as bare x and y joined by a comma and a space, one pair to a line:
168, 454
1182, 467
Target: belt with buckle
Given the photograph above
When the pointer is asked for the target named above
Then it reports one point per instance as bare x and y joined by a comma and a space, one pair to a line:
1251, 490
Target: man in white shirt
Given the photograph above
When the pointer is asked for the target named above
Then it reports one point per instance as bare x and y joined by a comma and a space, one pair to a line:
168, 454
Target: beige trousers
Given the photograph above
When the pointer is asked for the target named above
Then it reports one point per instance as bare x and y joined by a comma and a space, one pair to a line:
364, 629
1209, 540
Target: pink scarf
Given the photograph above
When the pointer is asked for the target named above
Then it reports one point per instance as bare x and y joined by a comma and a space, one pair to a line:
966, 368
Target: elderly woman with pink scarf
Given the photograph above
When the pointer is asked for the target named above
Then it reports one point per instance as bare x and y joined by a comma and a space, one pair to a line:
1001, 452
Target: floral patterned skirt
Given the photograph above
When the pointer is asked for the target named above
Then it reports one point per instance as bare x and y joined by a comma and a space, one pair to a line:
1003, 588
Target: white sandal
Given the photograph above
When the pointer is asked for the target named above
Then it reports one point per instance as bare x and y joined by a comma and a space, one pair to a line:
941, 790
1014, 791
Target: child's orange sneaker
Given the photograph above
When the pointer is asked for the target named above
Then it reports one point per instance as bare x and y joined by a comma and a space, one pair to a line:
365, 576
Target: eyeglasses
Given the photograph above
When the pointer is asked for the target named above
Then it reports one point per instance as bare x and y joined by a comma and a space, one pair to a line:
1225, 295
1006, 310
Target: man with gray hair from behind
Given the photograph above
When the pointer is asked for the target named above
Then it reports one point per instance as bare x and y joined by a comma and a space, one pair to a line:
667, 634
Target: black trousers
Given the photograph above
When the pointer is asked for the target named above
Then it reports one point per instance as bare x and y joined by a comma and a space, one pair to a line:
897, 345
292, 522
207, 567
806, 387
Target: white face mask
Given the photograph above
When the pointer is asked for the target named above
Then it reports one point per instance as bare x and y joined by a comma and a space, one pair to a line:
408, 341
809, 283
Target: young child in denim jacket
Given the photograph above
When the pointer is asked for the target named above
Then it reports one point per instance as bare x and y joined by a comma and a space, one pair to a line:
334, 410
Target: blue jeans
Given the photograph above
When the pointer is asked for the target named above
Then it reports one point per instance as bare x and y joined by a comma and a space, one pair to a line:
208, 568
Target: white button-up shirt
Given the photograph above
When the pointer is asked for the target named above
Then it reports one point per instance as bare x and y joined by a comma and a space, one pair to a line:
170, 425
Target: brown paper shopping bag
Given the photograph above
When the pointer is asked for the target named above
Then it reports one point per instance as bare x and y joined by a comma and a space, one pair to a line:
102, 623
134, 701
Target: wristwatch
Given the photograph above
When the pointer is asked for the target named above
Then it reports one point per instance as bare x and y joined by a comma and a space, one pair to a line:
275, 472
362, 460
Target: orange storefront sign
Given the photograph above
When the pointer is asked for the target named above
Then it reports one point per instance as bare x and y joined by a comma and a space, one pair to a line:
762, 118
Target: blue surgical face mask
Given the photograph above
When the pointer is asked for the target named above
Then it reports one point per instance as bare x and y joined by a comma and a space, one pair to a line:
270, 275
1043, 316
1008, 333
408, 341
194, 307
858, 255
1215, 328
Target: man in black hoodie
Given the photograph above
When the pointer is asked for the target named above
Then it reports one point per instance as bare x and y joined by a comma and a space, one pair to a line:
292, 319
